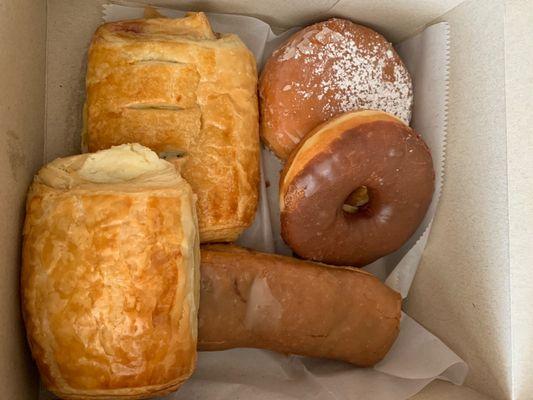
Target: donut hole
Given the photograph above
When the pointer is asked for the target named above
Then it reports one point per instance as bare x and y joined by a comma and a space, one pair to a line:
357, 201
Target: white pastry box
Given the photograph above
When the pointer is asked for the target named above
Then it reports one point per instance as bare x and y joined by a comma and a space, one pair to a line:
472, 287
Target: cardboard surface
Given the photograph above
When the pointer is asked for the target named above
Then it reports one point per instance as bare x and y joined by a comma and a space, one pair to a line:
281, 14
397, 20
462, 289
440, 390
519, 118
70, 25
22, 66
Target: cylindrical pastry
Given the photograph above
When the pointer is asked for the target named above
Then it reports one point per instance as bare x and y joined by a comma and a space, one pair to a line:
174, 85
355, 189
326, 69
267, 301
110, 275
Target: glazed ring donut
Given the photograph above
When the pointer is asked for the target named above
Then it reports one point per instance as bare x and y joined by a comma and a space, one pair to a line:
324, 70
355, 189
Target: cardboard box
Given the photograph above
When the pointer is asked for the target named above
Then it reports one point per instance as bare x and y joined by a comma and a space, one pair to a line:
472, 287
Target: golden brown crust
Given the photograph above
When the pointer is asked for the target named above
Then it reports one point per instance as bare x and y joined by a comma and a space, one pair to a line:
110, 279
268, 301
326, 69
172, 84
369, 149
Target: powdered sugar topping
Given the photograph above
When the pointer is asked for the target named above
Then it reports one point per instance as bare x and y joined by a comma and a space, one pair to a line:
351, 70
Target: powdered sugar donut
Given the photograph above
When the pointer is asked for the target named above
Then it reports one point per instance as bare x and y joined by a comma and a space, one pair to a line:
326, 69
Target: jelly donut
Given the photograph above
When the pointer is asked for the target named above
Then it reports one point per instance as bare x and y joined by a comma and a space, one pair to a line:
355, 189
324, 70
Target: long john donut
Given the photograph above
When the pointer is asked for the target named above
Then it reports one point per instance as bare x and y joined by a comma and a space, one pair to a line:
361, 151
268, 301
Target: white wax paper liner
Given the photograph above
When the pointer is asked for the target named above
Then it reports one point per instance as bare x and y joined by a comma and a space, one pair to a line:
429, 69
417, 356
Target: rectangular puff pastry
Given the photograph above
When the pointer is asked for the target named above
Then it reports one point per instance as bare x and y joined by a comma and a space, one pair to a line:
174, 85
110, 278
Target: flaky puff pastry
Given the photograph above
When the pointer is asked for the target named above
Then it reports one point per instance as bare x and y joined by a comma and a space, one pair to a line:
174, 85
110, 275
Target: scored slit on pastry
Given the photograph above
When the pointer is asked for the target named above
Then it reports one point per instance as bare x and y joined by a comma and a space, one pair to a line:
158, 60
144, 106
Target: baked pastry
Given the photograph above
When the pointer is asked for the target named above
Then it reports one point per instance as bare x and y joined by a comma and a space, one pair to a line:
267, 301
355, 189
175, 86
326, 69
110, 275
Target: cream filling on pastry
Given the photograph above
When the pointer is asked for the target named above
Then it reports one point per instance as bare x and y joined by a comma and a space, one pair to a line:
120, 163
121, 167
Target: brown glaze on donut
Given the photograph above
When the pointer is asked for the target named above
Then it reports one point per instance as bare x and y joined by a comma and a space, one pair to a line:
324, 70
364, 148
